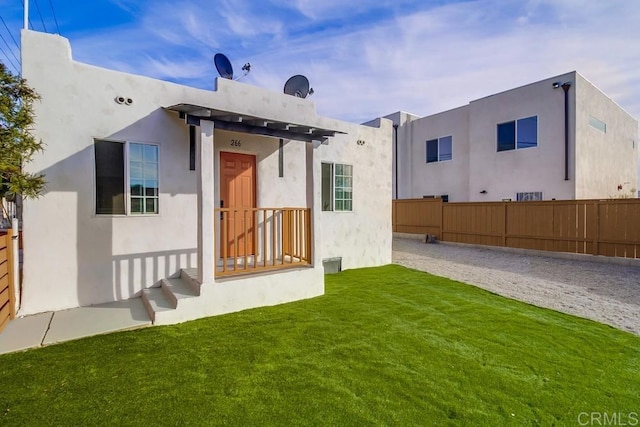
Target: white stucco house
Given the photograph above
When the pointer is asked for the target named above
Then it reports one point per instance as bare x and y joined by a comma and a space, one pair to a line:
202, 202
513, 146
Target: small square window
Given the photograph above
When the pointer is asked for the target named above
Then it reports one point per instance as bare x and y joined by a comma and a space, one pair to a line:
518, 134
440, 149
142, 168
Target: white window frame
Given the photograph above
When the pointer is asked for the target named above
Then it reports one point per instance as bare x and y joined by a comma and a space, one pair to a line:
333, 189
439, 139
127, 180
515, 121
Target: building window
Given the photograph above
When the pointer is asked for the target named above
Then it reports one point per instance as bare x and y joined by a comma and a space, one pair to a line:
529, 196
440, 149
518, 134
112, 170
109, 177
337, 187
143, 178
598, 124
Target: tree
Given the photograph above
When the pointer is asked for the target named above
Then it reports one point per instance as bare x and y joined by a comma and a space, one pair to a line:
17, 144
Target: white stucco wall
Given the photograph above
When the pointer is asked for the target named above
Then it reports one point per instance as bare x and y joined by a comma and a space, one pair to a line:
73, 257
404, 175
440, 178
604, 160
503, 174
362, 237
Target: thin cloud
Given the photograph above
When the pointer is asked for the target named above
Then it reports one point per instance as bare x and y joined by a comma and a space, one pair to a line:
370, 58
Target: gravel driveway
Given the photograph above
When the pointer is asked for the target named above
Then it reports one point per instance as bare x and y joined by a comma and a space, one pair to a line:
605, 292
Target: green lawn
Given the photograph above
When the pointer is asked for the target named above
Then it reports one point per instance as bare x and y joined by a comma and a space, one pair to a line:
385, 345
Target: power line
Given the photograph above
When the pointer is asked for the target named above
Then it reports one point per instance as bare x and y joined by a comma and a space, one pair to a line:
41, 20
54, 16
9, 60
9, 47
9, 31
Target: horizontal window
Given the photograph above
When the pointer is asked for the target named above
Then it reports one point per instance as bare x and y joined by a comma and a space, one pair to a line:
439, 149
140, 170
518, 134
529, 196
598, 124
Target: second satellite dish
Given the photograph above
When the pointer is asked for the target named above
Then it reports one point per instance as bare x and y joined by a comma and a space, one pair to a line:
223, 65
298, 85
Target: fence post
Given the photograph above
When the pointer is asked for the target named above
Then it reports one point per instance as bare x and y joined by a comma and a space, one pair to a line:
504, 224
441, 220
596, 238
14, 265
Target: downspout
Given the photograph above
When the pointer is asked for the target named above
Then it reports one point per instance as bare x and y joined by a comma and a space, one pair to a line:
565, 87
395, 131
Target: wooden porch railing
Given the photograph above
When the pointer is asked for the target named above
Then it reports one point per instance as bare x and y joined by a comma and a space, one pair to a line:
259, 239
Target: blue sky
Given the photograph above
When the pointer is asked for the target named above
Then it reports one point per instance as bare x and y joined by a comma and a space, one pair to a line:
364, 58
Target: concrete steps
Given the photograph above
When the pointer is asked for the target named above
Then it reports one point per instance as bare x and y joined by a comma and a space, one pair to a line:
169, 303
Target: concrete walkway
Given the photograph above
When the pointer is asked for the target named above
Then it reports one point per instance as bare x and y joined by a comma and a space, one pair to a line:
53, 327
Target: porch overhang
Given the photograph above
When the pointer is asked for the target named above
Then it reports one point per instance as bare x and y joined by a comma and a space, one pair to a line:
245, 123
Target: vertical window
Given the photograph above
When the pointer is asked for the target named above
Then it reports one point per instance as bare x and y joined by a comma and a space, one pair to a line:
446, 148
527, 132
141, 190
518, 134
109, 177
143, 178
337, 187
343, 199
327, 187
506, 136
440, 149
432, 150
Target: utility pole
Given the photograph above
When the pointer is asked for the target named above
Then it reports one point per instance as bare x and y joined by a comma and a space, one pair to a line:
26, 14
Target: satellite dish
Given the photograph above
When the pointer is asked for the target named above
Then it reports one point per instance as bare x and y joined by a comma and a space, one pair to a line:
223, 65
298, 85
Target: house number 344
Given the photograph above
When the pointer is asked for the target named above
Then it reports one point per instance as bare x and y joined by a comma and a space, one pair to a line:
236, 143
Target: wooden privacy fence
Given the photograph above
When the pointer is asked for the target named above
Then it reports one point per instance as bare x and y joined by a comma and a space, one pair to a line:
597, 227
7, 295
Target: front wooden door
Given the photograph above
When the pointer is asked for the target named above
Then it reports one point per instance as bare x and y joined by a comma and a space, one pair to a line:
238, 191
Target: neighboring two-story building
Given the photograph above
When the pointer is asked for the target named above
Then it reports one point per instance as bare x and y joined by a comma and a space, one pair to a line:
559, 138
